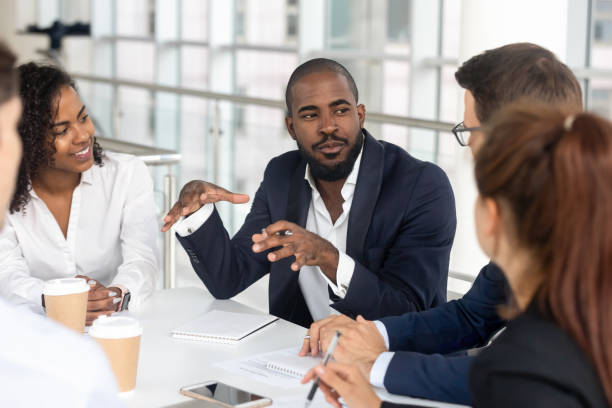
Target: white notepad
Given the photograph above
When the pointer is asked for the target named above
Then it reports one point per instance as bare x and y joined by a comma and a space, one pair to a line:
289, 362
218, 326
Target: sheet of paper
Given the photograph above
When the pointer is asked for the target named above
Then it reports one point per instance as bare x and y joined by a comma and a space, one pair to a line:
255, 367
289, 362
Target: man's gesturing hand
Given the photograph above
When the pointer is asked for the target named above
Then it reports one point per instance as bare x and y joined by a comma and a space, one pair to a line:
308, 248
194, 195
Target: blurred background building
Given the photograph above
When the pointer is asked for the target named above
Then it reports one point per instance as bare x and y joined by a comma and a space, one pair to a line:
206, 78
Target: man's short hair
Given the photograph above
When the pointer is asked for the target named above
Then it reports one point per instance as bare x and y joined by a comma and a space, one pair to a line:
8, 73
518, 71
318, 65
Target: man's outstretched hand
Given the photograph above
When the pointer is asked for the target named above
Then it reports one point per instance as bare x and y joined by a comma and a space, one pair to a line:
194, 195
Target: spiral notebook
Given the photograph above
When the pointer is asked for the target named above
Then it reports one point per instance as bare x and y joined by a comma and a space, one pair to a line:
218, 326
288, 362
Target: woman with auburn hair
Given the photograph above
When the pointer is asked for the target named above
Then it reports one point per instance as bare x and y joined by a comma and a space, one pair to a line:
544, 215
76, 210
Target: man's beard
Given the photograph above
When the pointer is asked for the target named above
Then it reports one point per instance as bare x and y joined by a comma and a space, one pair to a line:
338, 171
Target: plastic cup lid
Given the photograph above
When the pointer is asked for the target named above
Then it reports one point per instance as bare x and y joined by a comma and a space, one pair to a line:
115, 327
65, 286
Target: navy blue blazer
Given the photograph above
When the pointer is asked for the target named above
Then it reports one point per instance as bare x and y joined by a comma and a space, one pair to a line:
419, 368
535, 363
400, 231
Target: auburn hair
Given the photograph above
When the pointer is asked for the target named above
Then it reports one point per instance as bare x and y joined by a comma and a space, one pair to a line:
553, 170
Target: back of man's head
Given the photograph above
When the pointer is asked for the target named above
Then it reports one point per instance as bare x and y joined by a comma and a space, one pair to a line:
518, 71
318, 65
8, 73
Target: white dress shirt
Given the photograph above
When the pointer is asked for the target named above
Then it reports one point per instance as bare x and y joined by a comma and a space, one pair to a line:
111, 236
43, 364
312, 281
380, 366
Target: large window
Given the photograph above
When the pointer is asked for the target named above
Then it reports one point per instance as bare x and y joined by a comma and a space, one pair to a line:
600, 86
402, 54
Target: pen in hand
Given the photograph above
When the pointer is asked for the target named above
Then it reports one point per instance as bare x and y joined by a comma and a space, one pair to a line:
315, 384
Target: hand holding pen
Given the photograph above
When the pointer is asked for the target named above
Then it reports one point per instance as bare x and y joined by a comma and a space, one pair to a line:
341, 381
315, 384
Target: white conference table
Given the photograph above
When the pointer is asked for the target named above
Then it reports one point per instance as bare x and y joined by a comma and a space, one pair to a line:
166, 363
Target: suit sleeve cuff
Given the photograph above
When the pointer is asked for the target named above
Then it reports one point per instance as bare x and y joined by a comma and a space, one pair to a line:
189, 225
344, 273
383, 332
379, 369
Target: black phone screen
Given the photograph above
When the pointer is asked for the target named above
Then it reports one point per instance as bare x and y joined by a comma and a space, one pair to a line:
225, 393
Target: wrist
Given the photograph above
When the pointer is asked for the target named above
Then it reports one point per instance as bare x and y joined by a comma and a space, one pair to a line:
329, 265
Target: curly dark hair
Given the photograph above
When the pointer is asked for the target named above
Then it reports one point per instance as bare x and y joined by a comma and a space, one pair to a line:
39, 88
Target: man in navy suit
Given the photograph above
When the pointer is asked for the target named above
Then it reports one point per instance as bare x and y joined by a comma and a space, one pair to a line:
344, 223
409, 354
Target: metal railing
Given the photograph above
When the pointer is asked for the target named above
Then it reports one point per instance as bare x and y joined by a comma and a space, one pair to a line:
154, 156
250, 100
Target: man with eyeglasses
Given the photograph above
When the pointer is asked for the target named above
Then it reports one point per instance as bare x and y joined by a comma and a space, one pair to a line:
410, 354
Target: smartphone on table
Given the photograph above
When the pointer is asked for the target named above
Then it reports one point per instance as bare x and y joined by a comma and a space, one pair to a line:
224, 395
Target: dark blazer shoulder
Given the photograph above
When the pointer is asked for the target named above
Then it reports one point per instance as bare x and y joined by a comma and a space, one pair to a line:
401, 165
279, 174
397, 156
283, 163
535, 354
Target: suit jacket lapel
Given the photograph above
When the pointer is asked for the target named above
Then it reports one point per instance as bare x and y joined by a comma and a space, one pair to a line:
298, 201
369, 181
293, 306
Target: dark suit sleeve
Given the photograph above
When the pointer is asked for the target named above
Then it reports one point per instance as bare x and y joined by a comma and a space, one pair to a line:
506, 389
228, 266
387, 404
434, 376
413, 270
457, 325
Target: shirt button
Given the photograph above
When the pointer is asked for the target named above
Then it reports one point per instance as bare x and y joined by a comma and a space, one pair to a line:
189, 230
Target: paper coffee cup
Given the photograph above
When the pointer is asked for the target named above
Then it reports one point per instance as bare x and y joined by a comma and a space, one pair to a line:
66, 301
119, 336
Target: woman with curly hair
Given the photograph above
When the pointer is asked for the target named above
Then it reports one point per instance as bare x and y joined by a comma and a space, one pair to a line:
76, 211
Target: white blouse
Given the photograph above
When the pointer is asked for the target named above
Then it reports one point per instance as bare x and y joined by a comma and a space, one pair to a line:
111, 236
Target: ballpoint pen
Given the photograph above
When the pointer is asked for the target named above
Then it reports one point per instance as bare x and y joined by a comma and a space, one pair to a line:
328, 355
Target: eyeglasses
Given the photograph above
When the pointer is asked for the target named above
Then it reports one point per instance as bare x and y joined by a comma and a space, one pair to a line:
459, 130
